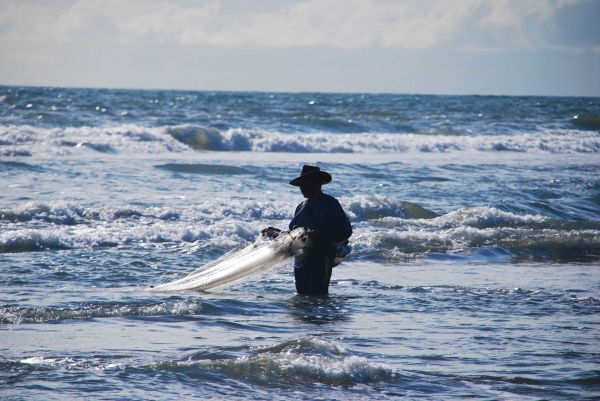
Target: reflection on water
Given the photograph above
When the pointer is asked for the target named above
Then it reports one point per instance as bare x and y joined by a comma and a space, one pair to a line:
318, 310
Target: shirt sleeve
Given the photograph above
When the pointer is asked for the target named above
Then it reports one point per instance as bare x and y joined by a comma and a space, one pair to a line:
341, 229
294, 223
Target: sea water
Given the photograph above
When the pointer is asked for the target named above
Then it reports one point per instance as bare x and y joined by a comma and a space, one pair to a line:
474, 271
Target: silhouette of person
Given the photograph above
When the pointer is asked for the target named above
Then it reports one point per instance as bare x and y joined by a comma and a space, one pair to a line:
329, 227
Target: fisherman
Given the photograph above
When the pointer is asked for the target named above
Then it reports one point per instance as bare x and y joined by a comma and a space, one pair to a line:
329, 227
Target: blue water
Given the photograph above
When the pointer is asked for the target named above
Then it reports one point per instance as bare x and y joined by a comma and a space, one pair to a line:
474, 271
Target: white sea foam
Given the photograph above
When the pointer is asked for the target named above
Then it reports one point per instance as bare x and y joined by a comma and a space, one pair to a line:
315, 368
56, 225
26, 140
220, 222
488, 216
418, 241
478, 216
370, 207
381, 225
69, 213
565, 141
306, 359
65, 141
24, 240
38, 360
59, 212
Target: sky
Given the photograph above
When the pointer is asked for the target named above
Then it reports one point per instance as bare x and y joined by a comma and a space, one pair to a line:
486, 47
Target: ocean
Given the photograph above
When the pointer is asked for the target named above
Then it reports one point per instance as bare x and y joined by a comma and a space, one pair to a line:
475, 270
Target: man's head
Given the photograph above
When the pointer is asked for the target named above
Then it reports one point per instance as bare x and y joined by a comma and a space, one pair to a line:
310, 181
310, 187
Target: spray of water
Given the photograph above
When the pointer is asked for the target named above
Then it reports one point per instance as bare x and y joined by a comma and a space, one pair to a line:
255, 259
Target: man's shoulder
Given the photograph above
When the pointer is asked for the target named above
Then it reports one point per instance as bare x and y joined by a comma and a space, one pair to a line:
327, 202
331, 200
324, 201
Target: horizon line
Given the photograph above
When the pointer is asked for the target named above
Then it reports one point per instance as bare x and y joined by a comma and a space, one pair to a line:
288, 91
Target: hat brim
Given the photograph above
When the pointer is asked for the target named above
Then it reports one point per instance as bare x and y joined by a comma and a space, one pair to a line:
323, 176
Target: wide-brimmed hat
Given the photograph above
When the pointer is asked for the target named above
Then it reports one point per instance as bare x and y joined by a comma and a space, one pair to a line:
311, 173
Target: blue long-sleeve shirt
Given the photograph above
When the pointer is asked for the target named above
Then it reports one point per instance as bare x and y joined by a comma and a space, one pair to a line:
332, 220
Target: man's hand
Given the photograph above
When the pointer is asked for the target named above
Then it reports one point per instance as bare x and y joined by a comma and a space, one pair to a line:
271, 232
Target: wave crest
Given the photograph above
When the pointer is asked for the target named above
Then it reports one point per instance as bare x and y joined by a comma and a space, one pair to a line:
23, 140
304, 359
383, 228
14, 315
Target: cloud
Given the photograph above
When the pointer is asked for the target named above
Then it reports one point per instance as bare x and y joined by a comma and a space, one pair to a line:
352, 24
107, 20
348, 24
509, 13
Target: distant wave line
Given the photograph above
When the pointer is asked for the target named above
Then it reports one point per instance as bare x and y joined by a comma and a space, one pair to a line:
26, 140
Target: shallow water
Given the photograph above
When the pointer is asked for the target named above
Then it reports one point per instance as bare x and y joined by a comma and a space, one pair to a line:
474, 270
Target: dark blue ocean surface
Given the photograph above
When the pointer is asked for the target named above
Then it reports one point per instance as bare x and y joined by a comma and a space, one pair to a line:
294, 112
474, 271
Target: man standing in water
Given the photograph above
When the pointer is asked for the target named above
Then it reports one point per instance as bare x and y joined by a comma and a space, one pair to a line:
329, 225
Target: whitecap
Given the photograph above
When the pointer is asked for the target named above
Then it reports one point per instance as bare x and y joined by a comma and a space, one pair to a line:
140, 139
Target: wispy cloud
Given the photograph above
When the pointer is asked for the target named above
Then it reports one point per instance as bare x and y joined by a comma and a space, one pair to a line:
350, 24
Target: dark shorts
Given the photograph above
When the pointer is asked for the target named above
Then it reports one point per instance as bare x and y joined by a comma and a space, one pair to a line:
313, 275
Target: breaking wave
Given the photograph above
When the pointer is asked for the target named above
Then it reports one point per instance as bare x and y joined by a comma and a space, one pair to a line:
27, 140
383, 228
307, 359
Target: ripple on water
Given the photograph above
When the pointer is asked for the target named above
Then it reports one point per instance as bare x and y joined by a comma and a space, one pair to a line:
19, 315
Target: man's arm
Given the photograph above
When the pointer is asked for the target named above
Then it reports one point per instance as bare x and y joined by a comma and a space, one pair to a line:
341, 228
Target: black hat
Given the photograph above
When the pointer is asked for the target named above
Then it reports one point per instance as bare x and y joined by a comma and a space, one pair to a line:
311, 173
